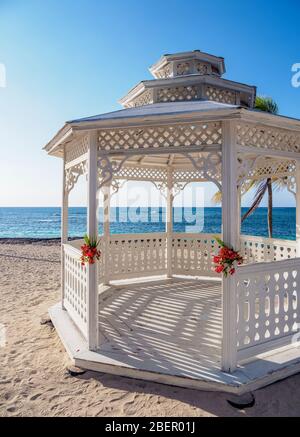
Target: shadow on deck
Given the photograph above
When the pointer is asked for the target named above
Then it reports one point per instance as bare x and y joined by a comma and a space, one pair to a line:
170, 326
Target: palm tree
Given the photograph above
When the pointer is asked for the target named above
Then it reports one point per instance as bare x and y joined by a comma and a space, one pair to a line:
266, 104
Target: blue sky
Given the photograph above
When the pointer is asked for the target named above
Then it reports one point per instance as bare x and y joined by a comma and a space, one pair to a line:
66, 59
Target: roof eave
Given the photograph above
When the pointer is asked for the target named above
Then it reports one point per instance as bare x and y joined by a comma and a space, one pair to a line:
275, 120
54, 146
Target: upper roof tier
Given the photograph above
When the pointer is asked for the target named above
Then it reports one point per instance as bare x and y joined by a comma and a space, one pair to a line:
189, 76
181, 64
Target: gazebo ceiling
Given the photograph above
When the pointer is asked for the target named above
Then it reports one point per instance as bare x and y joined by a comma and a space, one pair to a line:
177, 160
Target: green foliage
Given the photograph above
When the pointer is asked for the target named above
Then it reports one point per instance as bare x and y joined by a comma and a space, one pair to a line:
266, 104
92, 242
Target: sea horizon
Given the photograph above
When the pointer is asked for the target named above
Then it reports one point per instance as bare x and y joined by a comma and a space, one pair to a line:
45, 222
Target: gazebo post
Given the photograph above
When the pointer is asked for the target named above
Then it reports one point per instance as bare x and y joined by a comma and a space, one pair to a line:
92, 231
64, 228
169, 220
106, 190
230, 220
298, 207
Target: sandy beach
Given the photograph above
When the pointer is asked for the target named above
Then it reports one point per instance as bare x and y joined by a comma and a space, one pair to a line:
33, 376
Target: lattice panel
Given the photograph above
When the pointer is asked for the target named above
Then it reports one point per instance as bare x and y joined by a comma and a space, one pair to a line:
75, 293
197, 134
259, 249
267, 300
174, 94
164, 72
201, 68
250, 168
76, 149
208, 168
192, 254
220, 95
267, 137
135, 255
142, 173
146, 98
183, 68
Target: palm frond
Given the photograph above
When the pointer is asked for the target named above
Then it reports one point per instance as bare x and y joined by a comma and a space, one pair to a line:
261, 190
217, 198
266, 104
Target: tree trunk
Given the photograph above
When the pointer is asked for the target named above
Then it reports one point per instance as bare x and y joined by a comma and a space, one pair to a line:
270, 207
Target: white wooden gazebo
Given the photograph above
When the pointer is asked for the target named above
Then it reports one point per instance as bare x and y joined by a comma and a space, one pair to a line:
153, 307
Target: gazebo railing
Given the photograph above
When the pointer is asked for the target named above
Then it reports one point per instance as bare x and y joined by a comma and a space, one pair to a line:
268, 306
192, 254
260, 249
75, 286
137, 255
133, 255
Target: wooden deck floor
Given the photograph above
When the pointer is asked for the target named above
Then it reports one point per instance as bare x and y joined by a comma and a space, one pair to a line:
170, 326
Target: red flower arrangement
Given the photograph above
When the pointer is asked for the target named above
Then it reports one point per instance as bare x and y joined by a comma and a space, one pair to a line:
89, 251
226, 259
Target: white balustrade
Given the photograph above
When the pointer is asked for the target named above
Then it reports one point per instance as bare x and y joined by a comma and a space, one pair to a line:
75, 285
192, 254
260, 249
137, 255
268, 305
266, 293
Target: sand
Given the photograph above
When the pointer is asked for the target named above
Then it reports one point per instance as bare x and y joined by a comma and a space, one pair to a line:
33, 376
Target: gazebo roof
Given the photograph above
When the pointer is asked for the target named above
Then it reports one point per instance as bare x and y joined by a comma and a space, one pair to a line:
155, 109
188, 87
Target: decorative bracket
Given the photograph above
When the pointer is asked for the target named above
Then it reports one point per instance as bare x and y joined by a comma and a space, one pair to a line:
209, 166
73, 173
107, 169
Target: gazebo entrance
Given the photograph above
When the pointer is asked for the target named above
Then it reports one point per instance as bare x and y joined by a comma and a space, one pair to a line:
153, 307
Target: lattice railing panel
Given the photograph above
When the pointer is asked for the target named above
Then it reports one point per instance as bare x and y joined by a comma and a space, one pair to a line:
253, 135
220, 94
192, 254
268, 305
137, 255
197, 134
259, 249
75, 288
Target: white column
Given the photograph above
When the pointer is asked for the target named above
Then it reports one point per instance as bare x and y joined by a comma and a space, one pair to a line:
92, 231
106, 231
298, 207
239, 222
230, 222
169, 220
64, 229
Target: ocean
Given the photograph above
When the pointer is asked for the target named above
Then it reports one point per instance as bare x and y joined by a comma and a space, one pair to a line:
46, 222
